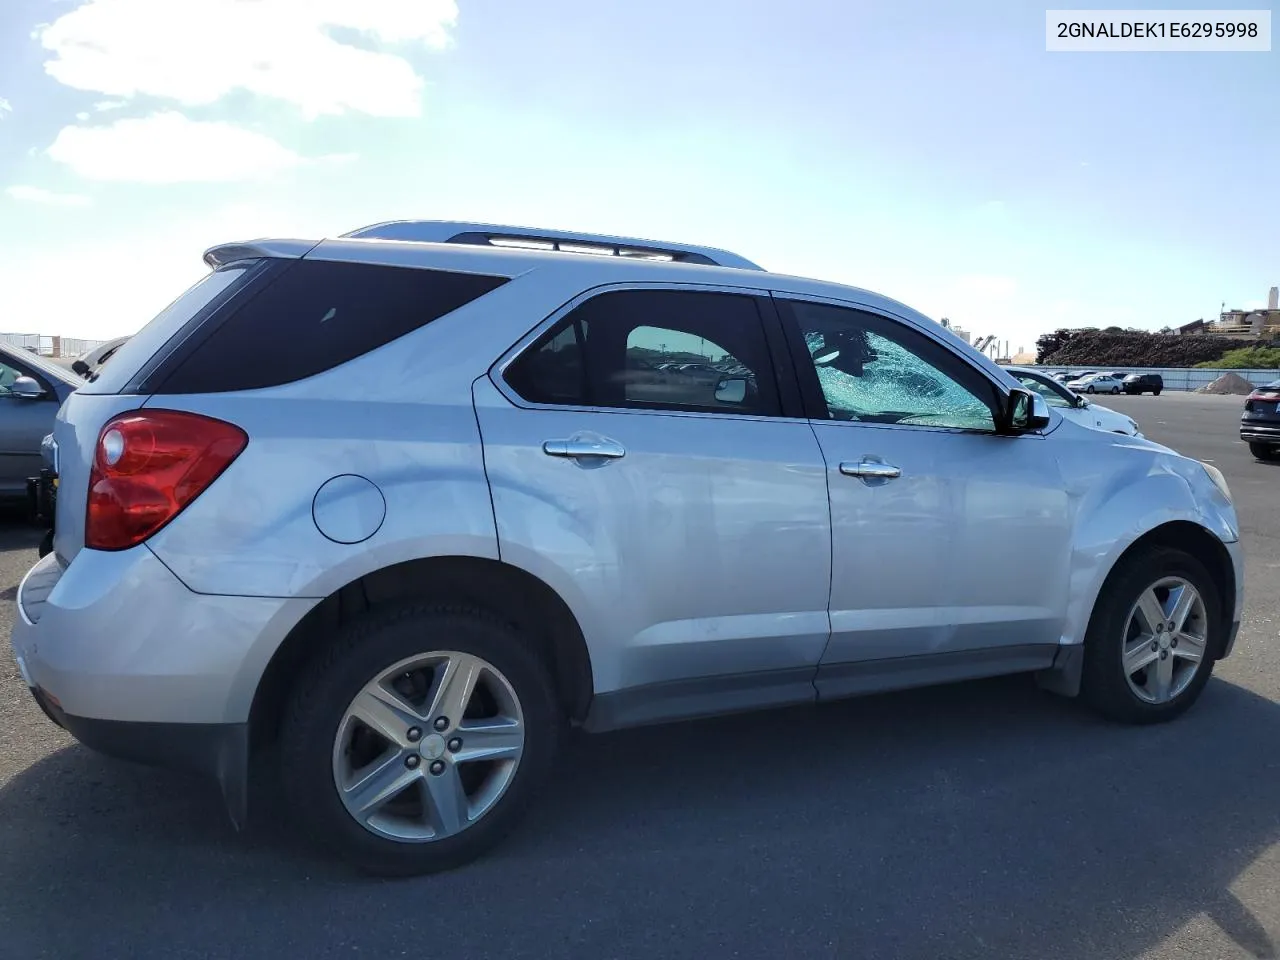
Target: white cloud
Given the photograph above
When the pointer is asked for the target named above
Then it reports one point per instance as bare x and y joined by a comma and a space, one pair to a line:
29, 194
5, 107
82, 116
104, 105
168, 147
197, 51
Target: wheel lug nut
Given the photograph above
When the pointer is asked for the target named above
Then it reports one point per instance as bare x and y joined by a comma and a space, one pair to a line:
455, 744
437, 767
1155, 644
442, 723
1173, 642
1164, 654
412, 761
414, 734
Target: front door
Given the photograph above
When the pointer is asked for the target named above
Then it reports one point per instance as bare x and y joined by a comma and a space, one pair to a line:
641, 465
950, 543
24, 423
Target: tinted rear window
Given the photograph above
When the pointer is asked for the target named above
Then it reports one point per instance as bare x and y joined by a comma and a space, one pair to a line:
141, 347
312, 316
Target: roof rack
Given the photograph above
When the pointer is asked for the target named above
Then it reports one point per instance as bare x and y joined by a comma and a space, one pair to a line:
525, 238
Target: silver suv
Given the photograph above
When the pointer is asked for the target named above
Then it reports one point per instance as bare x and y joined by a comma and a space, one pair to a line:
401, 506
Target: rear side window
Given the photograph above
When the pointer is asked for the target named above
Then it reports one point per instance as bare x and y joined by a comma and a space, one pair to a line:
312, 316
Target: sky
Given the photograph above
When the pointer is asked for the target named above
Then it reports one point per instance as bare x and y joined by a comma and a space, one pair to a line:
932, 152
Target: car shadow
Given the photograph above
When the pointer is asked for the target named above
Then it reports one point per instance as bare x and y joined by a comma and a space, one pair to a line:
981, 819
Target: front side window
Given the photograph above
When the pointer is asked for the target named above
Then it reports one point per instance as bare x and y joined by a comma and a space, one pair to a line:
8, 374
1051, 396
874, 370
653, 349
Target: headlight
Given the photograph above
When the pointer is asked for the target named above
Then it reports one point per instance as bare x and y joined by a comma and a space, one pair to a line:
1218, 479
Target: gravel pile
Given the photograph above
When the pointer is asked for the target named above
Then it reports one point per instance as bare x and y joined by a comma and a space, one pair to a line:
1229, 385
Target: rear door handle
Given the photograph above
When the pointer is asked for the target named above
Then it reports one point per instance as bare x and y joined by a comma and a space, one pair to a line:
603, 447
870, 470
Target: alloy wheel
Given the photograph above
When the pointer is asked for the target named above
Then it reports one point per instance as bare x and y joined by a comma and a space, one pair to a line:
1165, 639
428, 746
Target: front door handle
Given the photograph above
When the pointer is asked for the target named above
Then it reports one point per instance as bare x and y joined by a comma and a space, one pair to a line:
870, 470
602, 447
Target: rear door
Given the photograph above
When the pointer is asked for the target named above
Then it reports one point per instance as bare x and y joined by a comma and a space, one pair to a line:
646, 463
950, 543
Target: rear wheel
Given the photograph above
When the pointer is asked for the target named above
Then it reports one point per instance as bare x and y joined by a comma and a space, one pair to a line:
1115, 390
1156, 392
1263, 451
418, 740
1155, 633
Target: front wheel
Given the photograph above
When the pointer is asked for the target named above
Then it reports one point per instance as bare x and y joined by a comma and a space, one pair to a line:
1153, 638
1089, 389
417, 740
1155, 393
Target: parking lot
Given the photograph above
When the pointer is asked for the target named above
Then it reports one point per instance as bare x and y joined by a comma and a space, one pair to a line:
977, 820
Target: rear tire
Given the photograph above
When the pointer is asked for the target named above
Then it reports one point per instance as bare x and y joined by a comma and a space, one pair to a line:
331, 755
1263, 451
1115, 391
1136, 672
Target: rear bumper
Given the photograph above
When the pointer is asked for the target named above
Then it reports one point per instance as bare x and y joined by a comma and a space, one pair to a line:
119, 652
216, 750
1260, 431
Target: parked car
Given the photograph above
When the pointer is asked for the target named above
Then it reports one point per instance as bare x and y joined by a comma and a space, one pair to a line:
1260, 421
31, 391
1137, 383
1096, 383
406, 587
1074, 406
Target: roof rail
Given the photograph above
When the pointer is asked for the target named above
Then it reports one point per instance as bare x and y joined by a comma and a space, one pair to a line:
526, 238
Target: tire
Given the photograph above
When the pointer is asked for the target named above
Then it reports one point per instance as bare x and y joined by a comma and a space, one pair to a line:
1115, 391
1155, 393
1089, 389
46, 544
317, 715
1105, 684
1263, 451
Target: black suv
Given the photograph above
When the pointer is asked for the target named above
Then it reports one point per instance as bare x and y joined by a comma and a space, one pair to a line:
1136, 383
1260, 422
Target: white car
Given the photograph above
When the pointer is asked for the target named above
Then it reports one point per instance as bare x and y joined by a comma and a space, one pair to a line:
1073, 406
1096, 383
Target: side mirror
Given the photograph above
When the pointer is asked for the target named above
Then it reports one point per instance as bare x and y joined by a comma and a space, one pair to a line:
731, 390
80, 367
1024, 410
25, 388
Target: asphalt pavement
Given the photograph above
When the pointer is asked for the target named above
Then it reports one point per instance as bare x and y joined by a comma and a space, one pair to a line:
976, 820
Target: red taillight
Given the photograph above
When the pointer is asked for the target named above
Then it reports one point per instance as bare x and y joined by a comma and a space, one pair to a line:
147, 467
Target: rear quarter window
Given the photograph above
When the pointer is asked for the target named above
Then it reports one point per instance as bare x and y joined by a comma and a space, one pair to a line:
135, 352
311, 316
